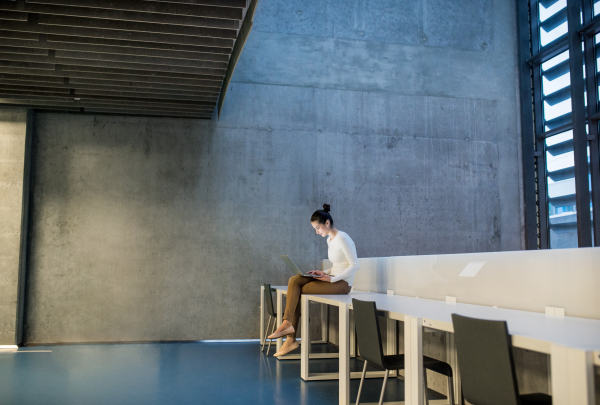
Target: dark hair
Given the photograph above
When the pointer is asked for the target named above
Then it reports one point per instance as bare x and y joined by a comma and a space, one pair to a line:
321, 216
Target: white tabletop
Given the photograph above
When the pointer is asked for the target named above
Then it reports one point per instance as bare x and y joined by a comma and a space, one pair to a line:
572, 332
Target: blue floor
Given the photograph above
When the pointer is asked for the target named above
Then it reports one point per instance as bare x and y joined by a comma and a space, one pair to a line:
171, 373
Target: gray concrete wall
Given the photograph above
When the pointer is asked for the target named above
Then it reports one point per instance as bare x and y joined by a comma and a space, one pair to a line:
15, 158
401, 115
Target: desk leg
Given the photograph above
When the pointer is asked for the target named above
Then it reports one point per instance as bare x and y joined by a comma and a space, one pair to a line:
352, 335
572, 376
262, 314
279, 316
324, 323
391, 341
305, 346
344, 354
452, 359
413, 360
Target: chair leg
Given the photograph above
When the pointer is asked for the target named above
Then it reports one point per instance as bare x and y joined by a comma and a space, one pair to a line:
266, 331
271, 340
383, 388
425, 397
450, 390
362, 380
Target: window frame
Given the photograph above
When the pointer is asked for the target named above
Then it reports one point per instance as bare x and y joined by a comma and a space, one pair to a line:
531, 57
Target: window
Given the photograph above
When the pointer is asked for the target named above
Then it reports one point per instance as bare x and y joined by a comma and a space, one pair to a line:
560, 140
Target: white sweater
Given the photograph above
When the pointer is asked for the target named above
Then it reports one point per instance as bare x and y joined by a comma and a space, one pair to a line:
342, 253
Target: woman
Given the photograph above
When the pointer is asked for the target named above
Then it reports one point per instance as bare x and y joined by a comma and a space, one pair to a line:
336, 280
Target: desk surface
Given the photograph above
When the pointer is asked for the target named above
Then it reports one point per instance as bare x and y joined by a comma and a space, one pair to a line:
577, 333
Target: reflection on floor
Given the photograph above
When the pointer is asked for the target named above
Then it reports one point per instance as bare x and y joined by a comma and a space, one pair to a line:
172, 373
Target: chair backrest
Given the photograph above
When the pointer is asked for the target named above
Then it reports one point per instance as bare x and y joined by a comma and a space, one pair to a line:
485, 361
367, 332
269, 300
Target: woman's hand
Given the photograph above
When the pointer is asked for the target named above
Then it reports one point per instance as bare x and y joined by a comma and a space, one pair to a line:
324, 278
316, 273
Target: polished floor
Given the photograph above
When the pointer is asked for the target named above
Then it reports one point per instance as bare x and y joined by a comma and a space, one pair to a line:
171, 373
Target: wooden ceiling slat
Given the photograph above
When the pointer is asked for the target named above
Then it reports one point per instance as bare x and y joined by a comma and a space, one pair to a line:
112, 14
31, 78
134, 26
133, 52
151, 69
26, 65
138, 74
13, 15
190, 9
206, 116
64, 93
21, 50
116, 78
65, 106
23, 57
146, 87
34, 88
163, 96
136, 59
218, 3
47, 100
65, 42
114, 34
75, 89
97, 88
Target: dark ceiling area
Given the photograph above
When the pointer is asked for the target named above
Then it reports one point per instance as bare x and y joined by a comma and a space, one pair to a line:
136, 57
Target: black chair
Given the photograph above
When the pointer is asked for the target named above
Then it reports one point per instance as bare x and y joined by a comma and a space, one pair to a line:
371, 350
486, 364
272, 316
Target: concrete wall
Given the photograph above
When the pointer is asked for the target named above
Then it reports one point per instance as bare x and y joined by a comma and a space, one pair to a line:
401, 115
15, 159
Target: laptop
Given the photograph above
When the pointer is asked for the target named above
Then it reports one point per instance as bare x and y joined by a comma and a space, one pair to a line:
293, 268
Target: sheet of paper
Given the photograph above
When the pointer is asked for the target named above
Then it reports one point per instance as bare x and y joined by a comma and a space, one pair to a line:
471, 269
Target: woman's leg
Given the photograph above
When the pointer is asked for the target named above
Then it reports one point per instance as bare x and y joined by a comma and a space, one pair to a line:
292, 300
318, 287
309, 287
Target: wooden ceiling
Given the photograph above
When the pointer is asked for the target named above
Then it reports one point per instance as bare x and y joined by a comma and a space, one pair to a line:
136, 57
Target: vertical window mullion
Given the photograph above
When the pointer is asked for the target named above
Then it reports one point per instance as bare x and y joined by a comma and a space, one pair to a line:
542, 226
582, 195
592, 109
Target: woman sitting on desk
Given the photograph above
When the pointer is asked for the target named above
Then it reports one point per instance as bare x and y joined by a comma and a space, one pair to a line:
336, 280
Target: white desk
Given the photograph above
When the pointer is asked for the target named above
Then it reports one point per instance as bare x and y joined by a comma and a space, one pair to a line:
571, 342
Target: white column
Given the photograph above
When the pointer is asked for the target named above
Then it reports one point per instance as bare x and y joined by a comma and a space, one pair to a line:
344, 354
15, 165
413, 360
305, 346
572, 376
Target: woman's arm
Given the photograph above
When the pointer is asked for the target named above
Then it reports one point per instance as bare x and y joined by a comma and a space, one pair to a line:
350, 253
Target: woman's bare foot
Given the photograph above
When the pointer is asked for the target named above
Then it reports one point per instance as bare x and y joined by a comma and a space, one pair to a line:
284, 325
288, 342
289, 345
285, 329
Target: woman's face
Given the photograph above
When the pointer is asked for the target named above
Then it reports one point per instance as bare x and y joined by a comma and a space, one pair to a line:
321, 229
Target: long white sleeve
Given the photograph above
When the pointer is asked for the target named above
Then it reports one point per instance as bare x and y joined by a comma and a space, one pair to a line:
342, 253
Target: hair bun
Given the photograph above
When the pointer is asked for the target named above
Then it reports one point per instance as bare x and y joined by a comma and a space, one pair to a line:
326, 207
